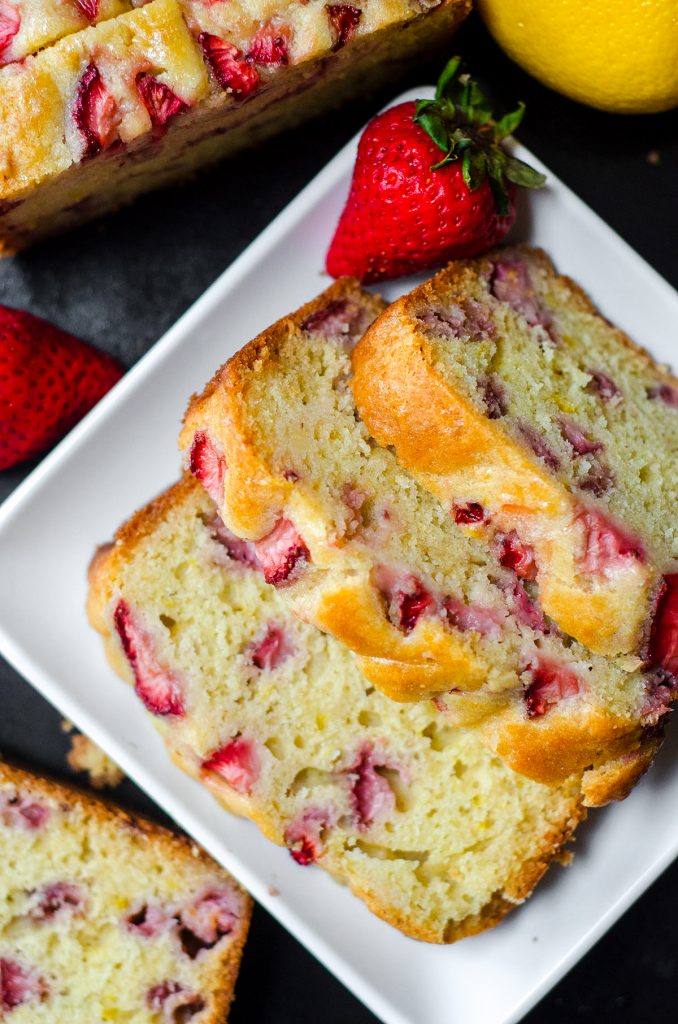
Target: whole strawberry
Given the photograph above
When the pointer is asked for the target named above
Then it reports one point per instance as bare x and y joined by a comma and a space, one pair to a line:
48, 381
431, 183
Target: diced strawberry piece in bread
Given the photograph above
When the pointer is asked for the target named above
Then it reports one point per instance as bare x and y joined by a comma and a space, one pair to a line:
161, 103
232, 71
551, 683
282, 553
95, 112
157, 686
237, 762
208, 465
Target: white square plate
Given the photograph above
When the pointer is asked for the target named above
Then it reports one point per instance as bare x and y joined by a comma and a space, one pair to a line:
125, 451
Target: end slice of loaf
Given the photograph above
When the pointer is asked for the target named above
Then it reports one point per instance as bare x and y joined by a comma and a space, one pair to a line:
144, 98
360, 549
105, 916
427, 826
501, 387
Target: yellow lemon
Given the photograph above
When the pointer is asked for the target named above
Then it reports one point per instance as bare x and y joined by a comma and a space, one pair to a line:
618, 55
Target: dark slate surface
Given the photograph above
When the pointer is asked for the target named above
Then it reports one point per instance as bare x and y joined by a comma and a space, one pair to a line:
122, 282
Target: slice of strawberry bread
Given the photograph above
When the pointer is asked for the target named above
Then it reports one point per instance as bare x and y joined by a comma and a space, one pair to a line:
358, 548
108, 917
146, 97
503, 389
428, 827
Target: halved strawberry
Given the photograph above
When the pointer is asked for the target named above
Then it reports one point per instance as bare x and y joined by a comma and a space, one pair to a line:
19, 984
161, 103
270, 45
95, 112
551, 683
344, 21
664, 634
10, 23
237, 762
90, 8
208, 465
157, 686
234, 73
271, 650
282, 553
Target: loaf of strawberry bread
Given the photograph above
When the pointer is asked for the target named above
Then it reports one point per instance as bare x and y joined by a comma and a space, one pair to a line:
358, 548
108, 917
148, 96
506, 393
428, 827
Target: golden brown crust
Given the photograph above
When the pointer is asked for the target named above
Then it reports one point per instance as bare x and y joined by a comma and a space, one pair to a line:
174, 845
454, 449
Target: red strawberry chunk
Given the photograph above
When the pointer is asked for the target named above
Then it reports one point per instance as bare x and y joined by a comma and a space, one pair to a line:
149, 920
603, 386
158, 687
660, 691
664, 633
343, 22
526, 610
19, 985
161, 103
208, 465
493, 393
339, 320
539, 446
551, 683
473, 617
57, 900
304, 836
237, 762
607, 547
271, 650
233, 73
237, 550
95, 113
513, 554
270, 45
176, 1004
282, 553
575, 436
10, 23
48, 381
372, 795
469, 513
18, 810
666, 393
90, 8
206, 920
406, 596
